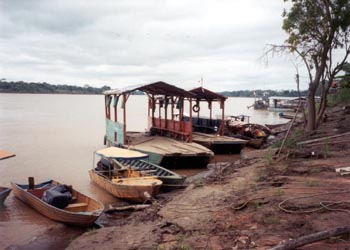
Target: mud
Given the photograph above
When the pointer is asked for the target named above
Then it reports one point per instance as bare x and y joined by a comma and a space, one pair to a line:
256, 202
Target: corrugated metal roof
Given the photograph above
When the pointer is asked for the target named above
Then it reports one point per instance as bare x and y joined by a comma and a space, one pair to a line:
206, 95
121, 153
157, 88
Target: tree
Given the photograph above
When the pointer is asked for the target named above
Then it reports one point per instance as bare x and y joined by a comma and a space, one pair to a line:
316, 29
344, 80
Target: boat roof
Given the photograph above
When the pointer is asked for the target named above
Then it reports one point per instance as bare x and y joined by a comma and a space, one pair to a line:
206, 95
156, 88
120, 153
5, 155
286, 98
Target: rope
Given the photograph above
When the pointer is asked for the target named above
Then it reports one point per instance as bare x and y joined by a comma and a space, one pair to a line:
322, 205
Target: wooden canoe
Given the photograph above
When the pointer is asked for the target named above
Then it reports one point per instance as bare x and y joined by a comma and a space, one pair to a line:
273, 126
4, 192
126, 184
169, 178
251, 142
83, 211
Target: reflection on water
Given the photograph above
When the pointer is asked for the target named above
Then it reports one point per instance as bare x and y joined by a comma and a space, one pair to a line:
54, 137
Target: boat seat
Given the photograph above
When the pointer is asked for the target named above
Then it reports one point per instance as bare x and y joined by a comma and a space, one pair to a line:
75, 205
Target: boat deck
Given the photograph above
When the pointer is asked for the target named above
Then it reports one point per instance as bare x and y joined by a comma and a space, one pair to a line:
170, 153
5, 155
219, 144
164, 145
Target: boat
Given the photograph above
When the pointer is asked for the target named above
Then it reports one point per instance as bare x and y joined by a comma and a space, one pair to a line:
260, 102
123, 183
220, 144
208, 131
170, 153
235, 124
169, 178
251, 142
282, 115
273, 126
4, 191
82, 211
168, 137
284, 104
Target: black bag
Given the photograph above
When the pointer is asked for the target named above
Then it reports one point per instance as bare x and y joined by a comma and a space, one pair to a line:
58, 196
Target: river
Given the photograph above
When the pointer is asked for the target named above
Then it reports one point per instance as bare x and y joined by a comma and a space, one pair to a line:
54, 136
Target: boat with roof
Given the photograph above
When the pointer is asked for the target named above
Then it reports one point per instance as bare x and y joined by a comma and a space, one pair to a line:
168, 139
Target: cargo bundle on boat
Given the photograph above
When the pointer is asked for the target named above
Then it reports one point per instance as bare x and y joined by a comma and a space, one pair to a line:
168, 140
65, 205
240, 127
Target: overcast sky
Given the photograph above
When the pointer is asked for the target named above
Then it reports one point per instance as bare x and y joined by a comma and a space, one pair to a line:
120, 43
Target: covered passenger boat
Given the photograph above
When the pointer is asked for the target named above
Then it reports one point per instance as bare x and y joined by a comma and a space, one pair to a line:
168, 139
208, 131
123, 182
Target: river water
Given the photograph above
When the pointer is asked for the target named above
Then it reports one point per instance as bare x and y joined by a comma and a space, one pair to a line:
54, 137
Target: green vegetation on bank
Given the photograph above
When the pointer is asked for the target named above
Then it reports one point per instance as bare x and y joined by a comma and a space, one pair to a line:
252, 93
45, 88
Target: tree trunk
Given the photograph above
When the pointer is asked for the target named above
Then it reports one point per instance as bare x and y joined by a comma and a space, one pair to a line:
308, 239
311, 115
322, 108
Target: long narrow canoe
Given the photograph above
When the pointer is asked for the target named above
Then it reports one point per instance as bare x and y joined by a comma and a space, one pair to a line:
4, 192
83, 211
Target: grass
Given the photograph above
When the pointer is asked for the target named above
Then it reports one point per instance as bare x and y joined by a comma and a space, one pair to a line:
312, 183
271, 219
291, 141
325, 149
279, 192
341, 96
269, 156
181, 243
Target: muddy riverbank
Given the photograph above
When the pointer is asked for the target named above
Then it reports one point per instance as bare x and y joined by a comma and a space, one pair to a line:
256, 202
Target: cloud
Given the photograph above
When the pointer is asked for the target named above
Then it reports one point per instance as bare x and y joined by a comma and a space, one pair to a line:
118, 43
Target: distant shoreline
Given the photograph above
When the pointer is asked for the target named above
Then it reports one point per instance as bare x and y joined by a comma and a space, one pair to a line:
46, 88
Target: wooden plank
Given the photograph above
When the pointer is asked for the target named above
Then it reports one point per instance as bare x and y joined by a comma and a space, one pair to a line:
323, 138
31, 183
74, 205
5, 155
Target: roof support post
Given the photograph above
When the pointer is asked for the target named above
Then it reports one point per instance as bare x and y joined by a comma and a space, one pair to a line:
153, 110
166, 111
190, 138
124, 117
222, 127
115, 111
